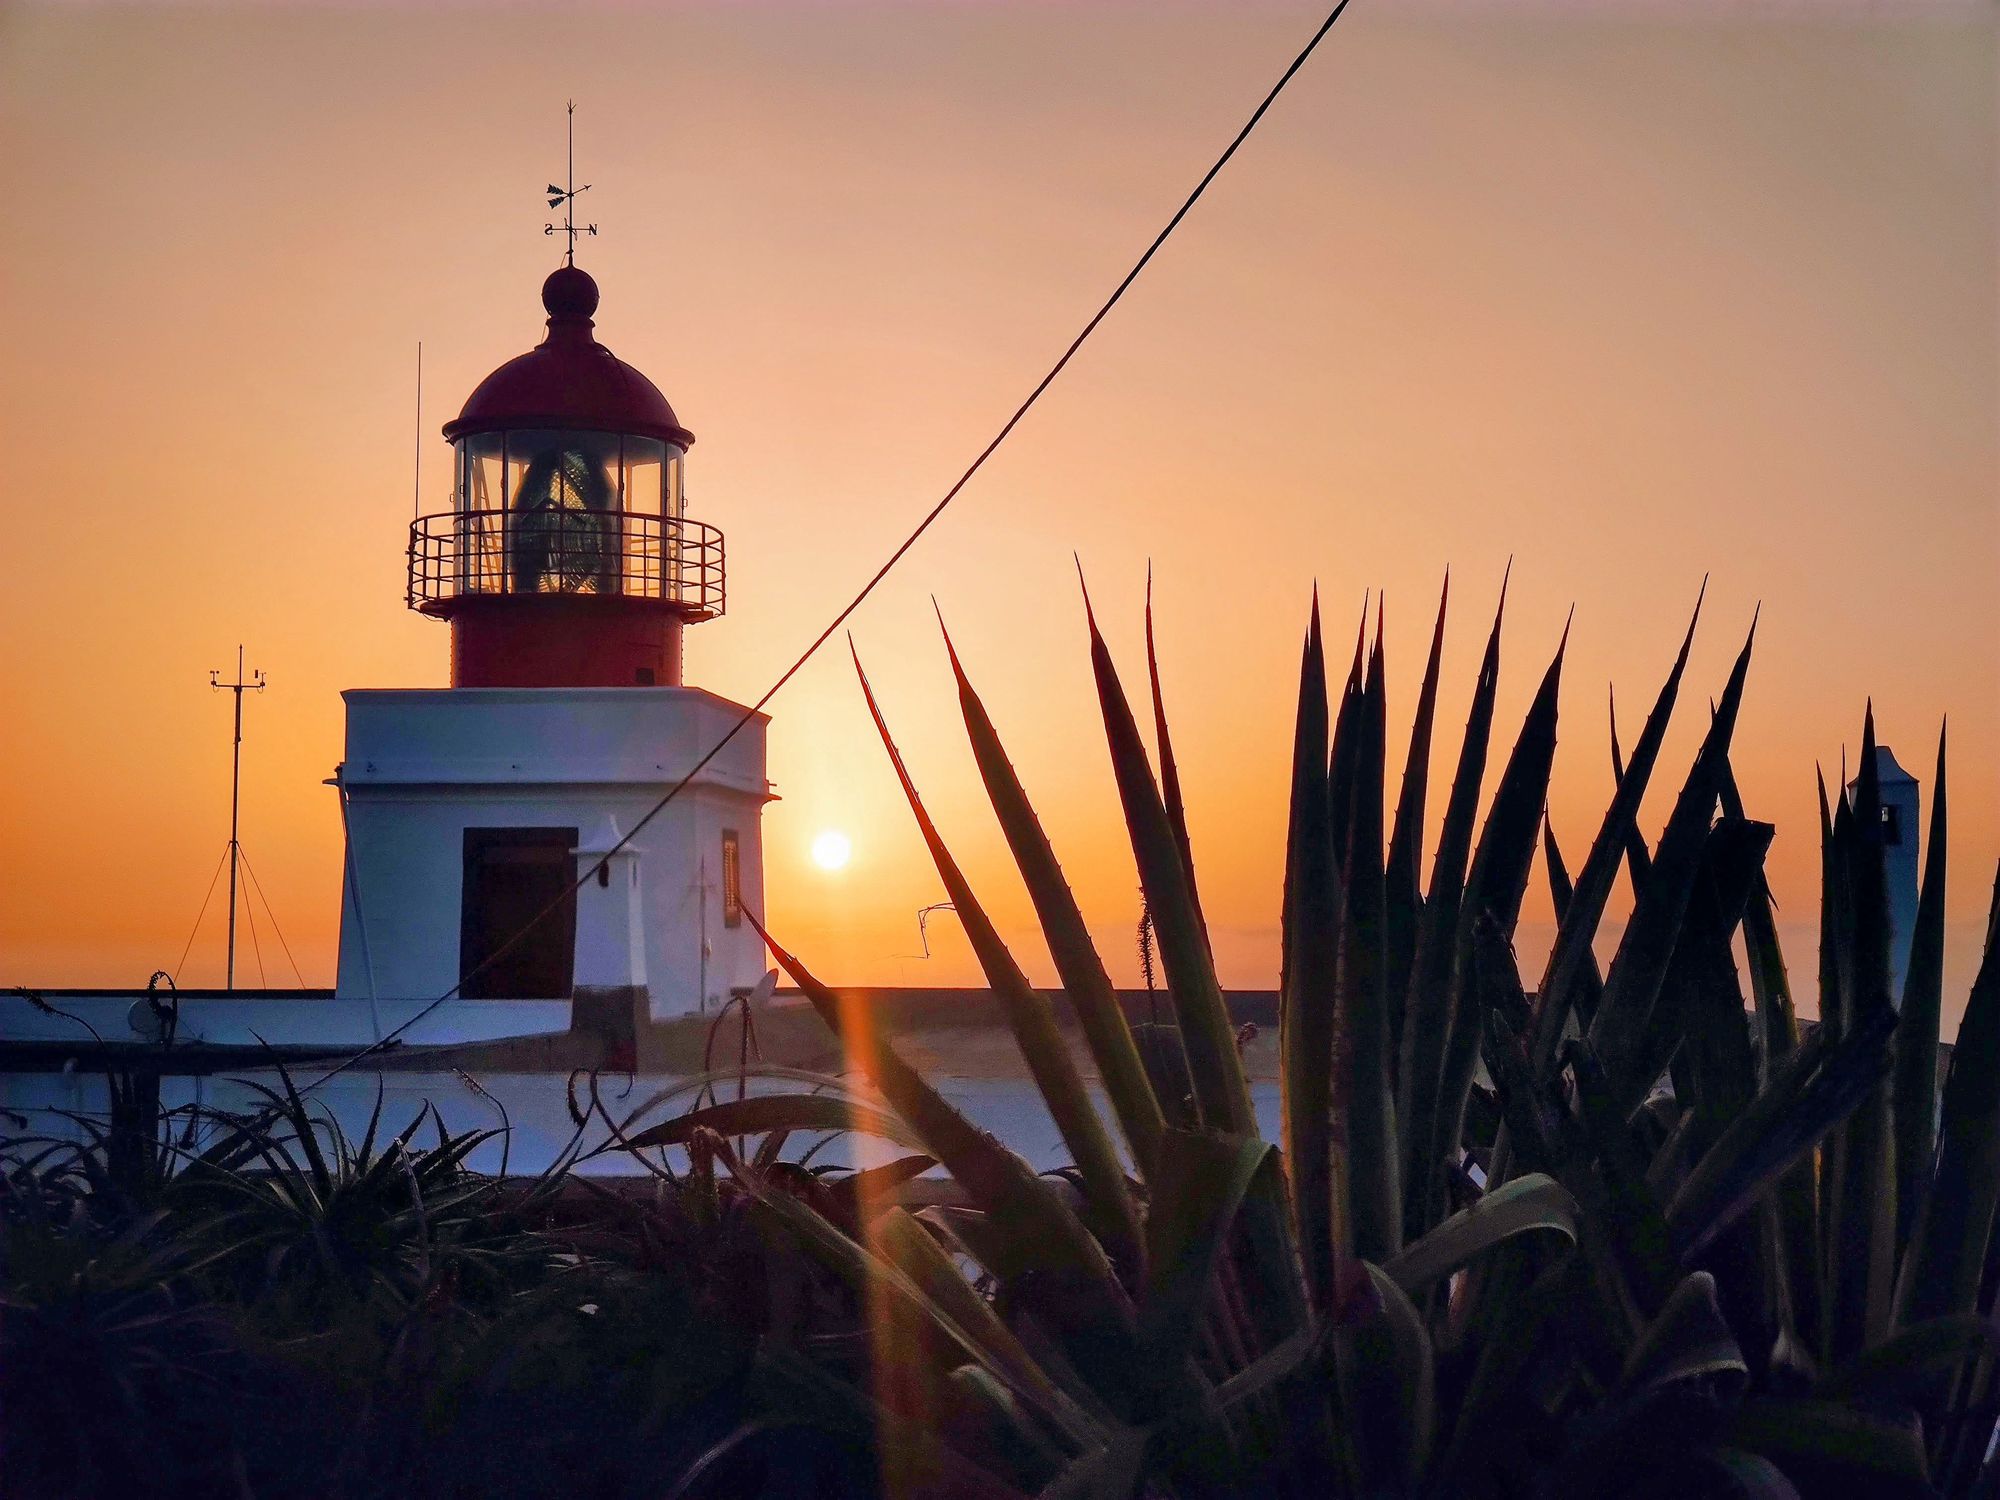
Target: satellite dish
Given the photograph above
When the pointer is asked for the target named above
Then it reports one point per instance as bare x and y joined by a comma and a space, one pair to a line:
146, 1020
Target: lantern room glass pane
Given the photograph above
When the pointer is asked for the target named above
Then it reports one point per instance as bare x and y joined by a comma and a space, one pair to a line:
645, 464
480, 554
676, 502
481, 482
563, 530
564, 470
645, 476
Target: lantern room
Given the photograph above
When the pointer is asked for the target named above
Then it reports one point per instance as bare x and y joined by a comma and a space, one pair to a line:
567, 559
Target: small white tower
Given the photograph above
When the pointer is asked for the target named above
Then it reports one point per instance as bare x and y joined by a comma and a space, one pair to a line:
1901, 805
567, 569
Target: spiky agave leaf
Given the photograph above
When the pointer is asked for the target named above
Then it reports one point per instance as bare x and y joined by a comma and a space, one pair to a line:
1364, 1080
761, 1113
1533, 1203
1833, 925
1690, 1337
1338, 813
1388, 1379
1819, 1086
1346, 744
1949, 1245
1493, 892
1562, 892
1500, 1363
1682, 1372
1427, 1011
1403, 875
1832, 910
1220, 1091
1863, 1246
1770, 986
1632, 986
908, 1245
1085, 981
1308, 792
1033, 1020
1060, 1270
1622, 1201
1696, 1034
1170, 776
1716, 1043
1638, 858
1620, 1236
1795, 1199
1572, 956
1312, 903
1915, 1087
1203, 1181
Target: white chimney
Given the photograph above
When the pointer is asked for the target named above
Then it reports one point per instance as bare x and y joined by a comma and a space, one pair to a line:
610, 933
1901, 805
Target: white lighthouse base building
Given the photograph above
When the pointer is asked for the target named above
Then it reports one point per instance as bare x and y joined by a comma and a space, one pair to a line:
470, 812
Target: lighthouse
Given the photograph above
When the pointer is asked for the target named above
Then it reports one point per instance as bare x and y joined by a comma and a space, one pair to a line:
567, 571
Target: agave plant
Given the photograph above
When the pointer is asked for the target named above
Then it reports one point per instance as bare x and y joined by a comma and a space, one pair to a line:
1656, 1250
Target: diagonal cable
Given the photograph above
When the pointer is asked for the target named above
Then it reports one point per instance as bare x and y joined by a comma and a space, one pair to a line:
250, 913
208, 896
258, 886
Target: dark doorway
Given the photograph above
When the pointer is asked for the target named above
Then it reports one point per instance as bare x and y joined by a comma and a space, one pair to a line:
511, 876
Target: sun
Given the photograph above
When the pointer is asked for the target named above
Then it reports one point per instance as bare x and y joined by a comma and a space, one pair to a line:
831, 849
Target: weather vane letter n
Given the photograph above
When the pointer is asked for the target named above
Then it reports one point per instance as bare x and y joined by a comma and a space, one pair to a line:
564, 198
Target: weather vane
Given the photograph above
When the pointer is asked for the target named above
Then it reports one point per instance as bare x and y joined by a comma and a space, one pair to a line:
564, 198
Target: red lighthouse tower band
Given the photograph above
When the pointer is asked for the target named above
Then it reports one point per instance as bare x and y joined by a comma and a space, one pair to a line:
567, 559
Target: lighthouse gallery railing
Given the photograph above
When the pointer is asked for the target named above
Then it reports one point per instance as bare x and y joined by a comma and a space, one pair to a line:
554, 550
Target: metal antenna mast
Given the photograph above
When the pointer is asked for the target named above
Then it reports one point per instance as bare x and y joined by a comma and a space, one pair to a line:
256, 685
564, 198
418, 484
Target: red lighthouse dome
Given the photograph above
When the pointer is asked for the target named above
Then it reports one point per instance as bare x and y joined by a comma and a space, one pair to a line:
567, 559
570, 380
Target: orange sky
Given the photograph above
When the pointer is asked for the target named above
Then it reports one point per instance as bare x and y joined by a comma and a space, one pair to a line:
1631, 294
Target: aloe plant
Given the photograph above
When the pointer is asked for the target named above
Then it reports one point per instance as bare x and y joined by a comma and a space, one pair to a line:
1632, 1233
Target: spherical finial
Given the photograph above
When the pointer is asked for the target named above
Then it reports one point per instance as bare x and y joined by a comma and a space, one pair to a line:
569, 293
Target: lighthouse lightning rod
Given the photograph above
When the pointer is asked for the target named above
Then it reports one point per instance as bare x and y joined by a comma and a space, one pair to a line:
238, 687
922, 526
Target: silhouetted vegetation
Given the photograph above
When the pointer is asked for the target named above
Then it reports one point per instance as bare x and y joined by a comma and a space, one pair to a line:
1632, 1232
